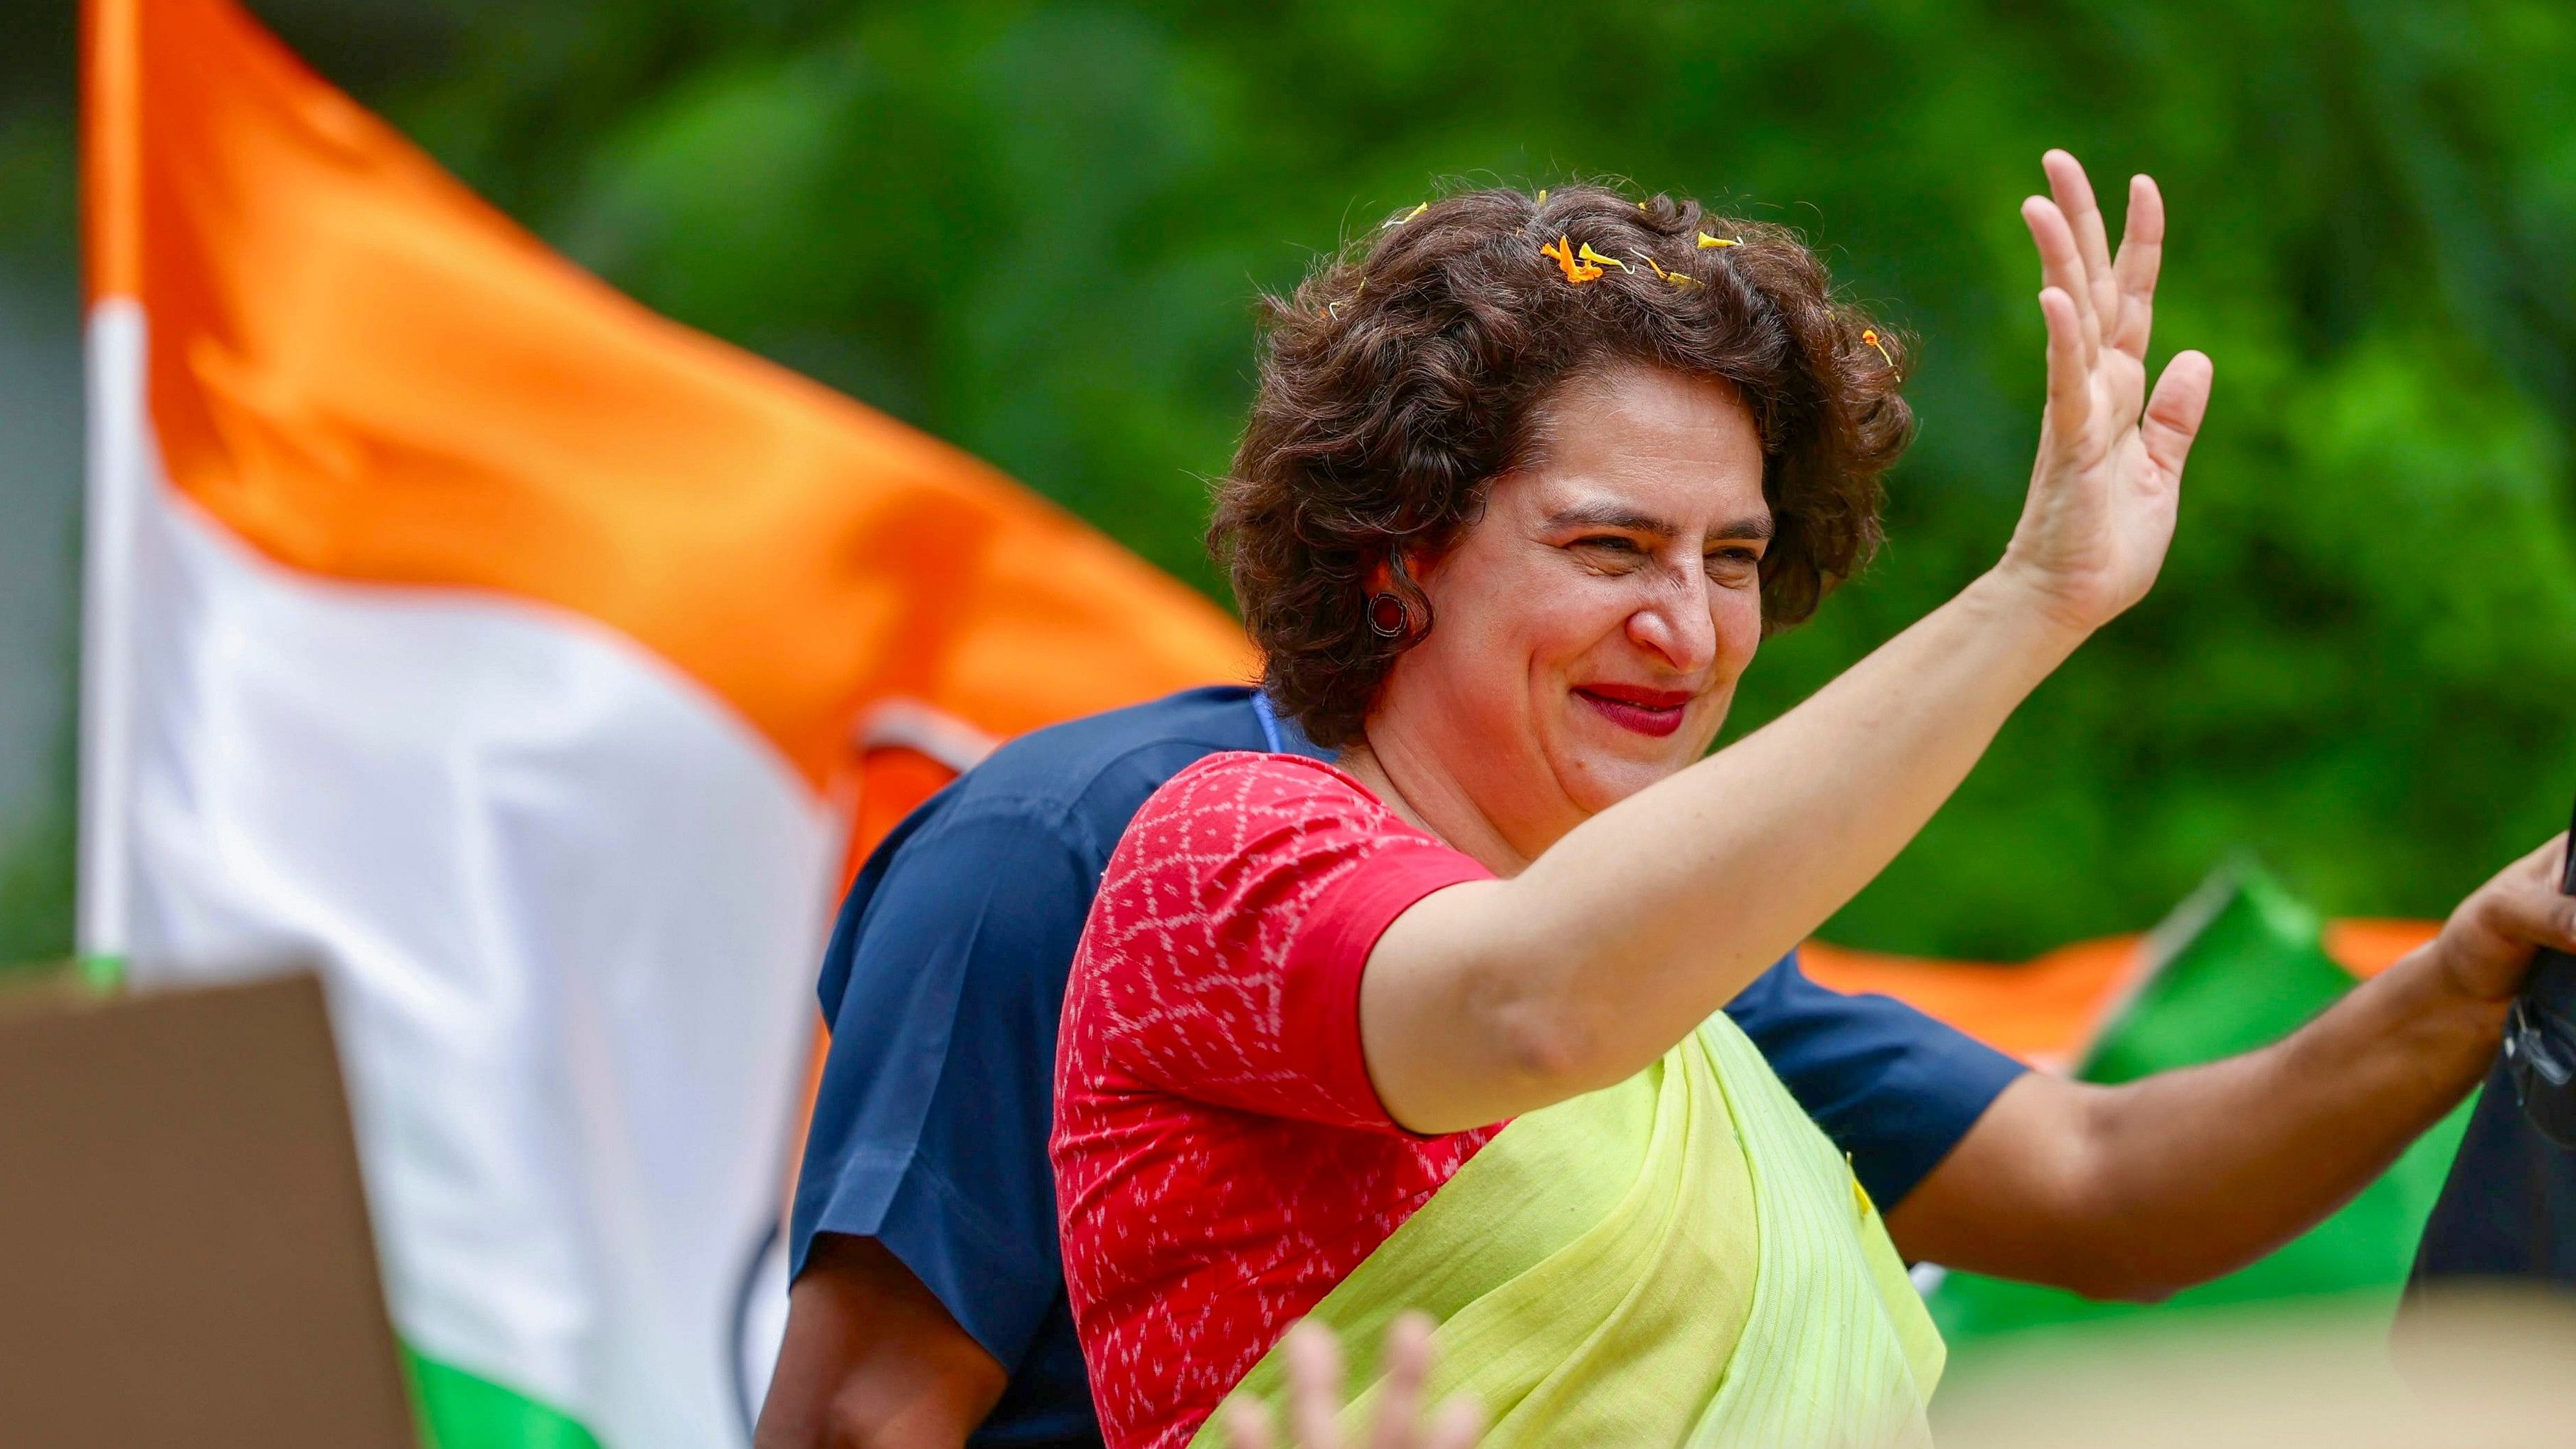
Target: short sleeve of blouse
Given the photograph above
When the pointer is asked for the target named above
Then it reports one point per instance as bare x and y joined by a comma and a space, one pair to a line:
1225, 949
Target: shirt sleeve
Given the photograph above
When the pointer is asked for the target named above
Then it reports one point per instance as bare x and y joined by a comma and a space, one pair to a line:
930, 1127
1233, 927
1891, 1086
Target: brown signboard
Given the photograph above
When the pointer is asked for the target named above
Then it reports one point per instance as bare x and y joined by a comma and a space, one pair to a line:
184, 1250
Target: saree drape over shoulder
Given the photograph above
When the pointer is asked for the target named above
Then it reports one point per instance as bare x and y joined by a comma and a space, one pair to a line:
1682, 1259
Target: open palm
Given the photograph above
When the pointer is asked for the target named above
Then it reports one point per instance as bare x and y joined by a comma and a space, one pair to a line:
2103, 491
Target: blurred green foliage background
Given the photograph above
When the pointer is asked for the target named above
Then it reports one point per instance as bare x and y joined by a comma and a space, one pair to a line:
1036, 229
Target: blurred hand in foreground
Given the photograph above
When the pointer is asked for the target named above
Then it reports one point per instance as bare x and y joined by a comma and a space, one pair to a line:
2100, 512
1315, 1397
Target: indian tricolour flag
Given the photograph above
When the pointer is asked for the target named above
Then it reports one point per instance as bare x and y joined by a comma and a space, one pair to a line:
510, 653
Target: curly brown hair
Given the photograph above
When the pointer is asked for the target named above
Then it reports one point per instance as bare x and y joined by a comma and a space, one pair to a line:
1409, 371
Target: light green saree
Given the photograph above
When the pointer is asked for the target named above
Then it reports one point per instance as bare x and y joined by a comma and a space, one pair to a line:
1682, 1259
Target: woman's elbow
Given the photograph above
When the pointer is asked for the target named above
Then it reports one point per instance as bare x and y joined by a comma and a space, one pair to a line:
1550, 1048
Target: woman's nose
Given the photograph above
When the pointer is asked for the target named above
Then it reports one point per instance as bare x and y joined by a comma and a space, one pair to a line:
1679, 627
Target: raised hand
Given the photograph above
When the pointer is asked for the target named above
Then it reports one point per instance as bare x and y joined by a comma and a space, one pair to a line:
2100, 514
1315, 1397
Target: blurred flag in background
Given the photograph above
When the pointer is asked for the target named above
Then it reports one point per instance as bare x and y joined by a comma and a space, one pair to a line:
515, 655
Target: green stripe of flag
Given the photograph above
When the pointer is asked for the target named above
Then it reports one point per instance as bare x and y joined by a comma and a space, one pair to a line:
460, 1411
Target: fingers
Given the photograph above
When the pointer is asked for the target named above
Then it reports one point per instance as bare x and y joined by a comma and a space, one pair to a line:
1247, 1424
2070, 378
2074, 192
2529, 908
1315, 1395
1408, 1367
1314, 1385
2061, 265
2142, 252
2180, 401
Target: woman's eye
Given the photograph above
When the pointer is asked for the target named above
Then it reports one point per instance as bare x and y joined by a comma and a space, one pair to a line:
1609, 550
1732, 562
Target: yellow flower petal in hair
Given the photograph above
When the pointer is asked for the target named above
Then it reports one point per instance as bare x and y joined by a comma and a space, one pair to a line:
1576, 272
1542, 196
1599, 261
1408, 216
1706, 241
1869, 335
1678, 279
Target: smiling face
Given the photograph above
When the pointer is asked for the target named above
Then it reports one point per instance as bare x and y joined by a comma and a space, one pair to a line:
1590, 627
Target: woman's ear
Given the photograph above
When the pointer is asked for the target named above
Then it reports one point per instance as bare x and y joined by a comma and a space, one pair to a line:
1411, 565
1392, 582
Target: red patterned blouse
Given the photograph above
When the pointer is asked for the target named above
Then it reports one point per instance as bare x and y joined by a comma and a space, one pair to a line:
1221, 1159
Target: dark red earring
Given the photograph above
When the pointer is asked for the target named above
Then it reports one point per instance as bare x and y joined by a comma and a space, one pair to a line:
1388, 618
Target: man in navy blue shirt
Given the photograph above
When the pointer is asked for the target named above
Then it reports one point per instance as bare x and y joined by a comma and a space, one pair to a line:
929, 1304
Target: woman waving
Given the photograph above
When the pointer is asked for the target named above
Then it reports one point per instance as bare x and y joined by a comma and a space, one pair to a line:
1526, 482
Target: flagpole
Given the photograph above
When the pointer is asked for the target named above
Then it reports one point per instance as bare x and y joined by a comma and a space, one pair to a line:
117, 460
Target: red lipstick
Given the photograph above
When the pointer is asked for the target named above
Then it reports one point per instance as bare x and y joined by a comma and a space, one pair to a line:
1656, 712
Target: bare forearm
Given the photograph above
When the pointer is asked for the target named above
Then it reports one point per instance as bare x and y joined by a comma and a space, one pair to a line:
1707, 879
1648, 918
2208, 1169
2137, 1190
